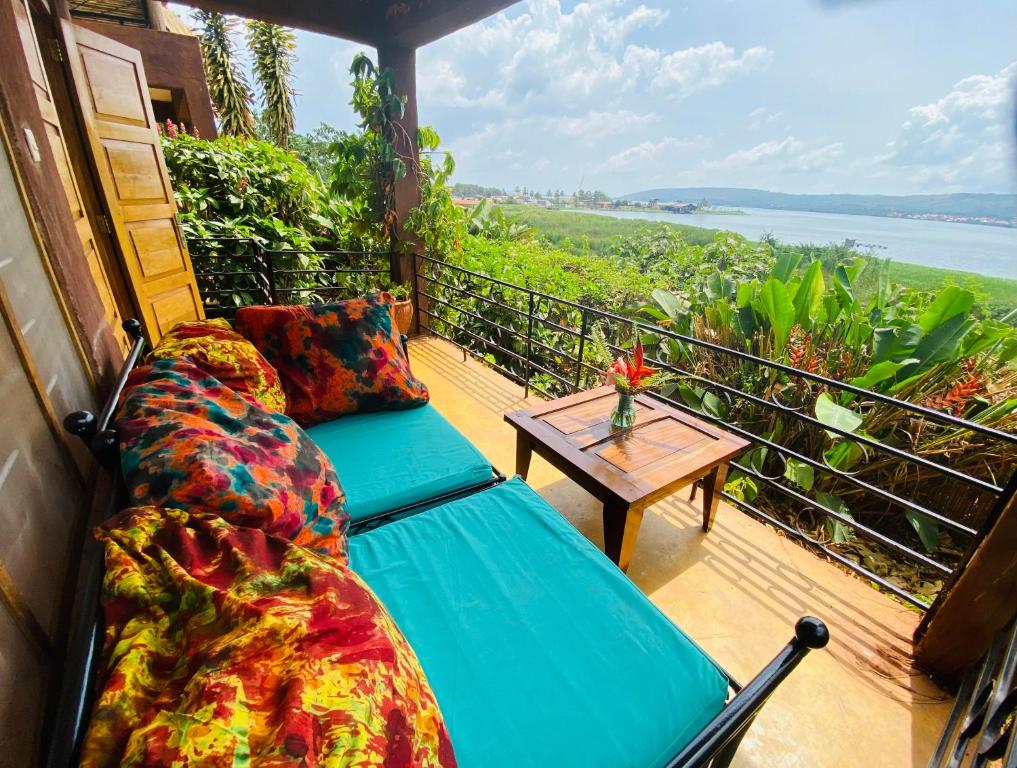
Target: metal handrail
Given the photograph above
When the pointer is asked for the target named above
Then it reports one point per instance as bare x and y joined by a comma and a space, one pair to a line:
748, 357
543, 316
529, 356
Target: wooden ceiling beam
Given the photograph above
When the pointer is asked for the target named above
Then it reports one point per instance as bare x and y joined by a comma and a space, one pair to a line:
414, 23
402, 23
362, 21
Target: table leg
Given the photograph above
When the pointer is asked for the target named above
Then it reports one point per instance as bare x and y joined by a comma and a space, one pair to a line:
713, 484
621, 528
524, 452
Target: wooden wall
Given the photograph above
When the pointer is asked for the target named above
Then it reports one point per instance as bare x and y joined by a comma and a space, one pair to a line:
44, 477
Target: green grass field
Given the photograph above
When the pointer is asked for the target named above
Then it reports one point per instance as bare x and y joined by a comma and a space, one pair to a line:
572, 226
569, 228
1000, 293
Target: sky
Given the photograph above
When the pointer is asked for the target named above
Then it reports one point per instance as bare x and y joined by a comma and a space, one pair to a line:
863, 96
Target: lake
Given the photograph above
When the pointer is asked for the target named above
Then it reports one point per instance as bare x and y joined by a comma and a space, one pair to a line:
969, 247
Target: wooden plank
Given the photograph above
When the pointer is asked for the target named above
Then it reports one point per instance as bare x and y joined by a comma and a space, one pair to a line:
405, 23
112, 99
24, 618
664, 450
959, 627
69, 153
663, 439
43, 188
419, 22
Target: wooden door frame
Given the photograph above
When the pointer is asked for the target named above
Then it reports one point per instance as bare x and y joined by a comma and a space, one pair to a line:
143, 221
58, 73
23, 134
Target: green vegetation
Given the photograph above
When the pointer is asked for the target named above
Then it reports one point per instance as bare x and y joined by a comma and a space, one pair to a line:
968, 205
582, 232
475, 190
587, 232
242, 187
227, 85
997, 294
273, 51
819, 309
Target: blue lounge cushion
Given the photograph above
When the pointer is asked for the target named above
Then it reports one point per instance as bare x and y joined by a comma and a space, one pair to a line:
390, 459
539, 650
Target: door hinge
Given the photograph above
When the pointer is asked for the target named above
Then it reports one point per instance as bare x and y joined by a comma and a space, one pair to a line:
103, 222
55, 51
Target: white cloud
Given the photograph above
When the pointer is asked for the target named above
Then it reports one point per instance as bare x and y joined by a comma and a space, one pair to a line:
573, 61
692, 70
761, 117
787, 155
648, 153
963, 138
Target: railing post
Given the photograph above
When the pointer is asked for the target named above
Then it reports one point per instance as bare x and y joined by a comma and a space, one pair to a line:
529, 337
420, 302
582, 345
269, 267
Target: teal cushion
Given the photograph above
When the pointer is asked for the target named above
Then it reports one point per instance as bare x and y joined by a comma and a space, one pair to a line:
390, 459
540, 651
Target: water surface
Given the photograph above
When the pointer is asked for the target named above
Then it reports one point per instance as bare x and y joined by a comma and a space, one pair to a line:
969, 247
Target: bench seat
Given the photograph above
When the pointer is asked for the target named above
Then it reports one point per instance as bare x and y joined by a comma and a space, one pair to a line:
539, 650
392, 459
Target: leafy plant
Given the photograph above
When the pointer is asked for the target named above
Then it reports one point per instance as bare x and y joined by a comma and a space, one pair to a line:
273, 50
227, 85
365, 166
401, 291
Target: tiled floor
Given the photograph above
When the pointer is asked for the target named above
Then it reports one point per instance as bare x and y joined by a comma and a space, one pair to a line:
738, 592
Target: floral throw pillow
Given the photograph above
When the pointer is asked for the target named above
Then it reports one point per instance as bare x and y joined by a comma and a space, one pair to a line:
335, 359
189, 442
228, 647
221, 352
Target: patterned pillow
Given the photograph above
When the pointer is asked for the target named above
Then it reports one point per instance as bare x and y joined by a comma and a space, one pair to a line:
226, 647
187, 441
221, 352
335, 359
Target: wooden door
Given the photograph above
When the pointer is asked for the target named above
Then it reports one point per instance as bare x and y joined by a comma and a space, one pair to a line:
97, 247
120, 131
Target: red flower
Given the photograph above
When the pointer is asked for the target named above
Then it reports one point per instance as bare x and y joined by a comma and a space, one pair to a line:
632, 370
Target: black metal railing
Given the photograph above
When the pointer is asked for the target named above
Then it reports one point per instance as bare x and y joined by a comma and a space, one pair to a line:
233, 272
541, 342
982, 727
544, 343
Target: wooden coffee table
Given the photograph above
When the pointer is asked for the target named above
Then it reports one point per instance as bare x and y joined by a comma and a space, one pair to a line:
627, 469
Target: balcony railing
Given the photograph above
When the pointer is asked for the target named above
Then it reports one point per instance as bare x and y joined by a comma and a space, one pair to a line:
235, 272
873, 513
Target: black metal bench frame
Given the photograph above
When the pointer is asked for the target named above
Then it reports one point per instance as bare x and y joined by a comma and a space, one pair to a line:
715, 745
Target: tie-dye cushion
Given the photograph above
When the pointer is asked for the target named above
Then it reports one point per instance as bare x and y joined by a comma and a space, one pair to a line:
335, 359
221, 352
189, 442
227, 647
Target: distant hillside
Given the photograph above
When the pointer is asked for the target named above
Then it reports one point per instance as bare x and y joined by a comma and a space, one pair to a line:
967, 206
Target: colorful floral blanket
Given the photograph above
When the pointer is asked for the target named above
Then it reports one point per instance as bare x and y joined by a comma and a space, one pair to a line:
221, 352
187, 441
229, 647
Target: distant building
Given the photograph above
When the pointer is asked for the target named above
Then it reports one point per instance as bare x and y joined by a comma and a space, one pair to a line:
678, 206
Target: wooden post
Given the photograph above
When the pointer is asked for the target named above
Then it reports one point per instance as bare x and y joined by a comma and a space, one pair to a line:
407, 248
980, 600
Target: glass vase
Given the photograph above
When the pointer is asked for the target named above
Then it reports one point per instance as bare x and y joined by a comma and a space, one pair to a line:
624, 413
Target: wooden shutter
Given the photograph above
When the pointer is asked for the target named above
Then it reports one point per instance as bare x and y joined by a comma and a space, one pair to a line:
120, 130
101, 261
